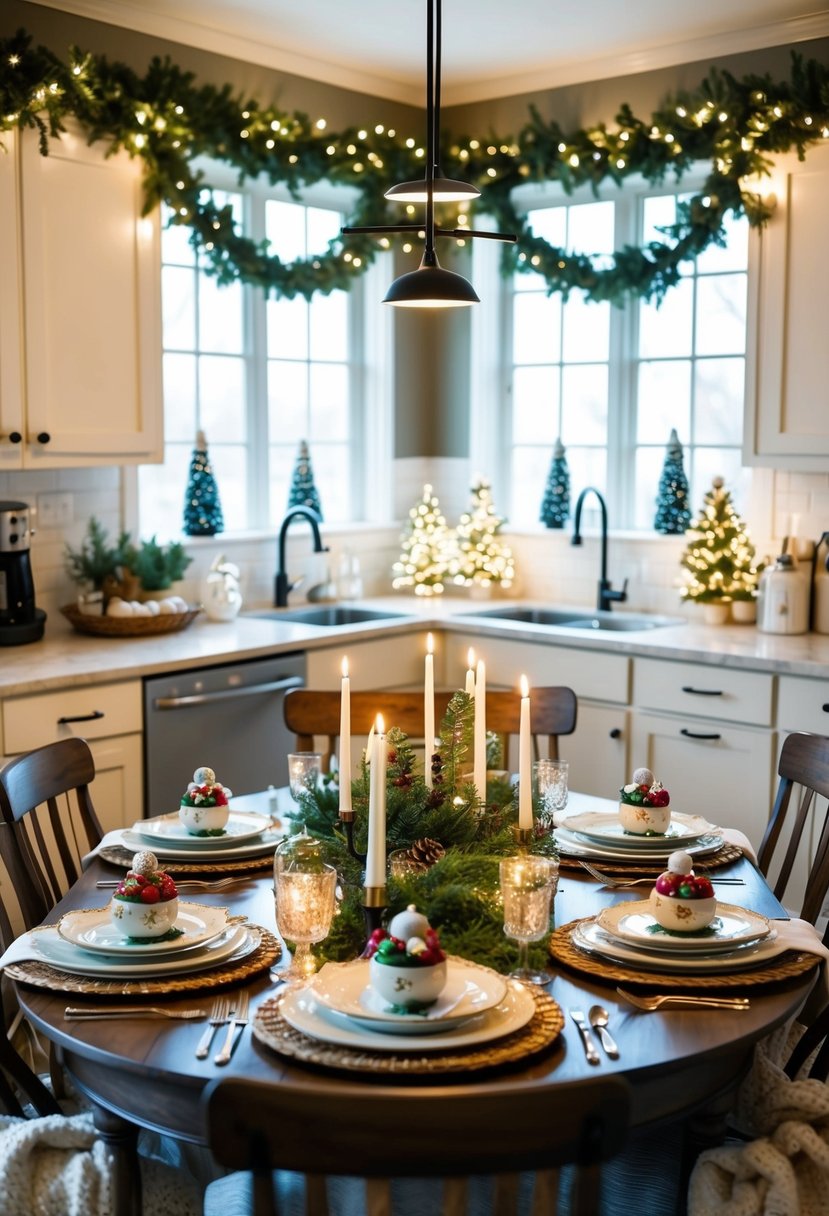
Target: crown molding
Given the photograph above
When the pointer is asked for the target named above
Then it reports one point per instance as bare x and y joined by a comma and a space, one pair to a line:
567, 72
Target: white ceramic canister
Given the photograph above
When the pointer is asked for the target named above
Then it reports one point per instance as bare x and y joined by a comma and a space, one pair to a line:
783, 598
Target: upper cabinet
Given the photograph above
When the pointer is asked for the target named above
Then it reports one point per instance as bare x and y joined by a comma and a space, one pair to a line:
80, 309
787, 369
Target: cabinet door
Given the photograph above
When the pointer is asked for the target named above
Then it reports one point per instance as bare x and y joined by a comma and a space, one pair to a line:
117, 789
92, 308
787, 366
11, 364
710, 768
597, 751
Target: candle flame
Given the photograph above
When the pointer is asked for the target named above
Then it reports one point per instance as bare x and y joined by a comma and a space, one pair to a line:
345, 667
525, 687
430, 644
470, 659
380, 725
481, 668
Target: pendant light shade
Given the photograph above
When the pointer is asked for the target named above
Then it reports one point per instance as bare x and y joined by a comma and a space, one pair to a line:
430, 286
444, 190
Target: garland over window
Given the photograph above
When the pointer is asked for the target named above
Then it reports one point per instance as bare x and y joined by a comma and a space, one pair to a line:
168, 120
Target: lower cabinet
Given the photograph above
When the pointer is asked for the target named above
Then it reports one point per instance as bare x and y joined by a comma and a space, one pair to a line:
598, 750
710, 767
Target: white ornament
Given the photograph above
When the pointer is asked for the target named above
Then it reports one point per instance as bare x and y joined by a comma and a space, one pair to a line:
643, 776
680, 862
204, 776
145, 863
415, 945
408, 924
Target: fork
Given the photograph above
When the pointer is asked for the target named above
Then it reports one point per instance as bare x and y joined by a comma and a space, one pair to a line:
92, 1012
218, 1015
195, 884
238, 1017
679, 1001
610, 881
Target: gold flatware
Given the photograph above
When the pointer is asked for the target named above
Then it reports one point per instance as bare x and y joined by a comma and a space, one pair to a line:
238, 1017
92, 1012
218, 1016
679, 1001
609, 880
187, 884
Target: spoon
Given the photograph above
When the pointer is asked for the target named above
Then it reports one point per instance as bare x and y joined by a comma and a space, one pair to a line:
599, 1018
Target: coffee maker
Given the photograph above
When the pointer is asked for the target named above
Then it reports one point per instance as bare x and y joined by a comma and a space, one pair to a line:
20, 620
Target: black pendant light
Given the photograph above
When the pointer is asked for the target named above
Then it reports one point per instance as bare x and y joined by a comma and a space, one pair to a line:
430, 286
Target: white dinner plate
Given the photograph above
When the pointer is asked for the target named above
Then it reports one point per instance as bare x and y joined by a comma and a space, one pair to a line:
573, 845
237, 942
601, 828
302, 1010
92, 929
241, 826
591, 938
470, 990
634, 923
133, 842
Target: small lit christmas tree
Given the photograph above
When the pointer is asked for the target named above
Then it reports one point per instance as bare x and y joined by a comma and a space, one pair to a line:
423, 561
303, 491
479, 557
555, 505
719, 560
673, 514
202, 508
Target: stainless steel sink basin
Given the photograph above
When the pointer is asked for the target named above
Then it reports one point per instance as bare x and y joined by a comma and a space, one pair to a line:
575, 618
328, 617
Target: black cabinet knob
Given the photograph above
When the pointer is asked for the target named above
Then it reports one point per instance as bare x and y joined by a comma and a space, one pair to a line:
616, 733
43, 437
15, 437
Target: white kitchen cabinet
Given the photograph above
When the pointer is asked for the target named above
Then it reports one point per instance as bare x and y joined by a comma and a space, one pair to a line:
803, 704
597, 751
109, 718
721, 693
80, 307
787, 365
392, 662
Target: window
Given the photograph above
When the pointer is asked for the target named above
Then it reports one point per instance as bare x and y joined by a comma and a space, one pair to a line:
258, 375
613, 382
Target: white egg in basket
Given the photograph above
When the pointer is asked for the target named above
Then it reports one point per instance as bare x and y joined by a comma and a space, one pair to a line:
407, 987
204, 818
639, 820
136, 919
682, 915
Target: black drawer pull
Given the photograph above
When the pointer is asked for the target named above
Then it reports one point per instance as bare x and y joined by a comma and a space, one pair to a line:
93, 717
43, 437
616, 733
702, 692
690, 734
15, 437
826, 709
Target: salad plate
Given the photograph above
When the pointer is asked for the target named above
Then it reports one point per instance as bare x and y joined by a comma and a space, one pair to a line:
470, 990
574, 845
168, 829
633, 922
224, 850
237, 942
92, 929
302, 1009
603, 828
592, 939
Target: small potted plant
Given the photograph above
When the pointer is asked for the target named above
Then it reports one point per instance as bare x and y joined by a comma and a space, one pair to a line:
98, 566
157, 566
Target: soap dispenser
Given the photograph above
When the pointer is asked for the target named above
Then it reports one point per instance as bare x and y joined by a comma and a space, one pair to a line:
783, 598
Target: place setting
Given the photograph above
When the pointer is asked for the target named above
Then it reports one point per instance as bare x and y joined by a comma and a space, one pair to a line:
145, 940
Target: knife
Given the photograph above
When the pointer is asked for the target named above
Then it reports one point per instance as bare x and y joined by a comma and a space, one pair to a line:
587, 1042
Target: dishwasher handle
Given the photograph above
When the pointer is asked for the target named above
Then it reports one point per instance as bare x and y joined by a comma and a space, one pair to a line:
228, 694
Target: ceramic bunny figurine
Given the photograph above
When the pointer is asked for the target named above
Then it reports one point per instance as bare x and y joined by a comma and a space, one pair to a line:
221, 594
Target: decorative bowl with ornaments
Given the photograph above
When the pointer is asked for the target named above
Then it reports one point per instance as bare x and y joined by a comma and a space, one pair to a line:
204, 810
145, 903
407, 966
682, 901
644, 808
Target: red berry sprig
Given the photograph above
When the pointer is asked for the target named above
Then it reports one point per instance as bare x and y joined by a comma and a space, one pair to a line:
684, 886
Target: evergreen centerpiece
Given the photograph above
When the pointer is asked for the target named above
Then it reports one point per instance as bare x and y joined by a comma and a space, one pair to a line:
555, 505
720, 558
424, 559
98, 563
672, 512
480, 558
303, 492
159, 566
202, 508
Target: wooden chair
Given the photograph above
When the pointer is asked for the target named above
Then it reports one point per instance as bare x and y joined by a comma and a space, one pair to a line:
359, 1131
47, 823
309, 713
804, 762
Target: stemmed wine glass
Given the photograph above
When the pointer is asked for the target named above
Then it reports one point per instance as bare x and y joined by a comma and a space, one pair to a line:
527, 887
304, 887
303, 772
551, 780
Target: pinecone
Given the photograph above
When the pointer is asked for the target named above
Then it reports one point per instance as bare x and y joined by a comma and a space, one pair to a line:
424, 853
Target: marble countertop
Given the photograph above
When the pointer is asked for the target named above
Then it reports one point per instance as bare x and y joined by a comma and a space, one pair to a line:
66, 658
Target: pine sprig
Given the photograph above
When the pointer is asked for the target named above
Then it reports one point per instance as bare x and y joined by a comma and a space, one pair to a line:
456, 739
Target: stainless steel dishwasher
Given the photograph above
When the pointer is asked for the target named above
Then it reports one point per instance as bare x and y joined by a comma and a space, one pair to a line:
229, 718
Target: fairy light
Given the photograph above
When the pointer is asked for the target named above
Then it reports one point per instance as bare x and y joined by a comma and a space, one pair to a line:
562, 147
620, 163
245, 114
474, 145
624, 136
492, 173
14, 60
491, 150
378, 130
140, 117
362, 134
808, 120
410, 143
407, 248
292, 159
321, 124
140, 140
179, 110
330, 149
574, 160
681, 112
723, 116
351, 149
270, 143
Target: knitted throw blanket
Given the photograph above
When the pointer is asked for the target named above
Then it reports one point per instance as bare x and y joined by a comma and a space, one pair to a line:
56, 1166
785, 1172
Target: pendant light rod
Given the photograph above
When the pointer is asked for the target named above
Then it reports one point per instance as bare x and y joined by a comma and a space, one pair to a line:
430, 122
457, 233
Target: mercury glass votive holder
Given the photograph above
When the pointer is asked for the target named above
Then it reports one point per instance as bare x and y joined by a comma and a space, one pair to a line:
527, 888
305, 890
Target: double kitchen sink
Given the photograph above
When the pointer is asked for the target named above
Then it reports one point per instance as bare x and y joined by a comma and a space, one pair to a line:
336, 615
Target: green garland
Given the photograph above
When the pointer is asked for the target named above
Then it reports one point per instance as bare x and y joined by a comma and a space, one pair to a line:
460, 893
168, 120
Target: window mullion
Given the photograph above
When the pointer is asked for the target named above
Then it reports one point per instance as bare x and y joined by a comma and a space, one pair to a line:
260, 511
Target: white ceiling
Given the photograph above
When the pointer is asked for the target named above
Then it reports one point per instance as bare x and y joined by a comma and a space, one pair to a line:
491, 48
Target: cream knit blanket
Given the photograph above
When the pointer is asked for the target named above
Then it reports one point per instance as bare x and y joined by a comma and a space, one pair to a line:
55, 1166
785, 1172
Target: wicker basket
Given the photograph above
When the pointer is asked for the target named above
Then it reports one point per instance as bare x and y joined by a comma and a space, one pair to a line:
129, 626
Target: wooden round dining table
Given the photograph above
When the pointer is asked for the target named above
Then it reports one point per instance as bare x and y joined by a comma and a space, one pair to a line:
144, 1073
